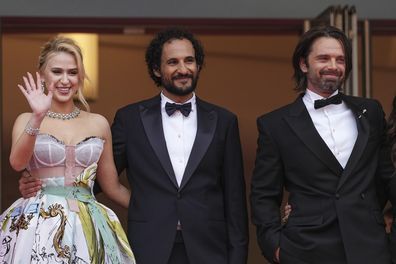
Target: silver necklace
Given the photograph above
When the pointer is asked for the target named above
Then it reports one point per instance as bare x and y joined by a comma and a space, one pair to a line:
73, 114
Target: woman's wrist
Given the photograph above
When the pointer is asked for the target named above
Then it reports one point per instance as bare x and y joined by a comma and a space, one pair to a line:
32, 131
33, 126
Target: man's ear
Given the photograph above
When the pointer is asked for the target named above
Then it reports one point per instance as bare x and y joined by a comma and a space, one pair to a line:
157, 73
303, 65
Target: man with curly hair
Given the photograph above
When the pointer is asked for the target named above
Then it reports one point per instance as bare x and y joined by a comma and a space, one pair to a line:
184, 163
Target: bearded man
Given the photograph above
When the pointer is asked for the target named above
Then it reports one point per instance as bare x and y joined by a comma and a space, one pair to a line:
327, 150
184, 164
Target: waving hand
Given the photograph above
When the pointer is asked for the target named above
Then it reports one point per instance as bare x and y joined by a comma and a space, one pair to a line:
39, 102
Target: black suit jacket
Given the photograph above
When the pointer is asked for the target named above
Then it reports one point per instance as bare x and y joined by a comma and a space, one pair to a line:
336, 216
210, 203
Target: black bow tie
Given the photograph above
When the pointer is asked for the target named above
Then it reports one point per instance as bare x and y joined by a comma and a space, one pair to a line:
336, 99
185, 109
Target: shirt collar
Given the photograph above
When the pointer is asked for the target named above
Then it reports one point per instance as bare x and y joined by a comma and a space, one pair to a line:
165, 100
311, 96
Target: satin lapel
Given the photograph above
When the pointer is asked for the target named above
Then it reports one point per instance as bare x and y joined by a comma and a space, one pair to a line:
150, 113
361, 141
301, 123
206, 127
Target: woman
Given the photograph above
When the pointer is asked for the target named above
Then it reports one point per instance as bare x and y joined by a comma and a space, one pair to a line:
66, 148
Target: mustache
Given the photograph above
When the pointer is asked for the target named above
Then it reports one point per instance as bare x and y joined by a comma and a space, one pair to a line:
331, 72
182, 76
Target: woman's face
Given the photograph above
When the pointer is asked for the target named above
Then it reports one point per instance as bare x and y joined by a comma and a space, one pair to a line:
61, 76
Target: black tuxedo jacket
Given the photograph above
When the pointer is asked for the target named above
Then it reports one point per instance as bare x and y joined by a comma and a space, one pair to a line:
210, 203
336, 215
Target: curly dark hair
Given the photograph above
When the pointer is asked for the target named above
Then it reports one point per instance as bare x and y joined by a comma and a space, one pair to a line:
392, 131
154, 50
303, 49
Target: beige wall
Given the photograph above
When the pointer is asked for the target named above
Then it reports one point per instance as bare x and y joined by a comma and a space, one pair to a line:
249, 75
384, 70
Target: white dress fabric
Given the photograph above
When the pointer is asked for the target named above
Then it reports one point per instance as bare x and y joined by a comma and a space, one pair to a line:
63, 223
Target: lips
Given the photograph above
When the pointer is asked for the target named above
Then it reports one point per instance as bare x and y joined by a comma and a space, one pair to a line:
182, 79
330, 76
63, 90
182, 76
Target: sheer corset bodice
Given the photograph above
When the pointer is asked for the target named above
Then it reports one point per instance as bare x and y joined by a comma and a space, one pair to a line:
54, 159
63, 223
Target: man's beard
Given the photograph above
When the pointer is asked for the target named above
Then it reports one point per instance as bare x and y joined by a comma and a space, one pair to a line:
172, 89
330, 84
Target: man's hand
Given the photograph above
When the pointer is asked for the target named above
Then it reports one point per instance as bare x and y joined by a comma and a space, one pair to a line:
287, 211
28, 185
276, 257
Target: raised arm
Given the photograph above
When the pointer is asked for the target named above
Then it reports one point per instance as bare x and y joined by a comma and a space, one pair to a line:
27, 125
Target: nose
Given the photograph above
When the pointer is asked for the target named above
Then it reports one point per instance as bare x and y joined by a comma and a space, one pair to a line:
332, 63
64, 79
182, 68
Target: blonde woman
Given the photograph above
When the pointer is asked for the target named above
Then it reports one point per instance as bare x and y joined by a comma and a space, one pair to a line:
67, 148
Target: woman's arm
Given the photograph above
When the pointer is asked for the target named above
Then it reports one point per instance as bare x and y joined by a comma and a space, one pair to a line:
22, 142
27, 126
107, 173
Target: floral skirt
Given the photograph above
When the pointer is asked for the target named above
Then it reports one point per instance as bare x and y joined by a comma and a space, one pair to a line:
46, 229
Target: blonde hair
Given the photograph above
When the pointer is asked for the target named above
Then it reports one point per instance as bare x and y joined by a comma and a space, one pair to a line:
63, 44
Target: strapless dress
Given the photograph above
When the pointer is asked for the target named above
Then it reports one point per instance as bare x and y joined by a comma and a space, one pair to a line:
63, 223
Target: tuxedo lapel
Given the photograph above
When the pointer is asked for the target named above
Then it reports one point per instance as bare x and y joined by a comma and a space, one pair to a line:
206, 127
150, 113
361, 141
301, 123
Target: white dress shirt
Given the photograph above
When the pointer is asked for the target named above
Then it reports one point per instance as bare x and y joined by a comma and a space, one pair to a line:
336, 125
179, 132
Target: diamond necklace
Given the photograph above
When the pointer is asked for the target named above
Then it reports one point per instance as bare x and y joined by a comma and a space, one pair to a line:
71, 115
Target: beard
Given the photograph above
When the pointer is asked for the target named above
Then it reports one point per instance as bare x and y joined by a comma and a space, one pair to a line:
328, 85
173, 89
331, 85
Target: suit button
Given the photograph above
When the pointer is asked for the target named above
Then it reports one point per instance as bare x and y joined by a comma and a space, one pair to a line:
178, 195
363, 195
337, 196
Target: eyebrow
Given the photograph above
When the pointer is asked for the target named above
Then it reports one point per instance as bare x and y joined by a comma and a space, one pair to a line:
61, 68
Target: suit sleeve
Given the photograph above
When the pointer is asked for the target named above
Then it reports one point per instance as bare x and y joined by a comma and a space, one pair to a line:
235, 197
118, 130
119, 139
386, 176
267, 192
386, 185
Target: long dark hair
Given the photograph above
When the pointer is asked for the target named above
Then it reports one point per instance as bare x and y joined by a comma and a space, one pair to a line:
303, 49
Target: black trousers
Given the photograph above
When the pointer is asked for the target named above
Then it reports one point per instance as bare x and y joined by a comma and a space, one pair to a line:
179, 254
288, 258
